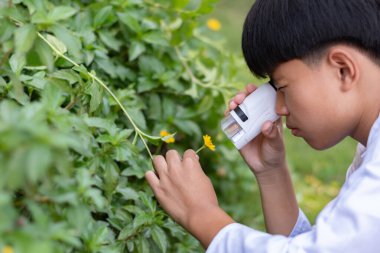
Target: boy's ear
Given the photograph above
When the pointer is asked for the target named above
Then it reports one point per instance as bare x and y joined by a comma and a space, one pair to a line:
345, 67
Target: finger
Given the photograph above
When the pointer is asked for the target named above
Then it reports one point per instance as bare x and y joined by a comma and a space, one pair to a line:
232, 105
250, 88
271, 132
160, 165
226, 112
173, 158
191, 155
269, 129
239, 98
280, 126
152, 179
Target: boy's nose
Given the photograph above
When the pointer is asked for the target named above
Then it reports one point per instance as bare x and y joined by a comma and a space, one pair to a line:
281, 108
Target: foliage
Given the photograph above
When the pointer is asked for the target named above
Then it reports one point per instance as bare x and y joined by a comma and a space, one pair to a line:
85, 88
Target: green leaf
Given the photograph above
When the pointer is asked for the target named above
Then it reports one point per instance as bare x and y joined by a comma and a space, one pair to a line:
45, 54
107, 66
155, 38
193, 91
180, 3
57, 44
38, 161
102, 16
136, 49
169, 108
206, 6
138, 117
122, 152
150, 65
70, 40
52, 96
83, 71
128, 231
189, 127
66, 74
61, 13
128, 193
8, 214
159, 237
130, 21
143, 245
41, 17
125, 73
95, 91
109, 39
123, 135
17, 63
105, 124
155, 111
38, 213
6, 30
143, 219
24, 38
111, 176
38, 81
146, 84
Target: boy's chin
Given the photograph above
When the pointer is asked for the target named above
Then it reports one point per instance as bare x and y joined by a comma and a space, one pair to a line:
320, 144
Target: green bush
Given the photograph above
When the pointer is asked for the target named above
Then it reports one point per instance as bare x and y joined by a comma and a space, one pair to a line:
86, 87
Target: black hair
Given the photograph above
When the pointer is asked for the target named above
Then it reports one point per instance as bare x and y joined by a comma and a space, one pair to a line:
276, 31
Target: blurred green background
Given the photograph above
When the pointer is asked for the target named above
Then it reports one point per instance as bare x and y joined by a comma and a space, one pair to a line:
317, 175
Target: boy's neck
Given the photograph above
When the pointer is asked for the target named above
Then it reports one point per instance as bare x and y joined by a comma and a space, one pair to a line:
371, 108
362, 131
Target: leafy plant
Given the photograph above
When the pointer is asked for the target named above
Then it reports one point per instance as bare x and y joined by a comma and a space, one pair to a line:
85, 88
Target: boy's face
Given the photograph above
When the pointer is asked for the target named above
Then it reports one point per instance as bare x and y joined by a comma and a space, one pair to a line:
313, 103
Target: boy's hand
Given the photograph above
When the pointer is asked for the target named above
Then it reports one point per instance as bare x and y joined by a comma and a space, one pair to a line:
187, 195
266, 152
265, 155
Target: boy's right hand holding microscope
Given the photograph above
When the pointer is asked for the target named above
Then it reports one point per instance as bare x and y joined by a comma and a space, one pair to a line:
265, 155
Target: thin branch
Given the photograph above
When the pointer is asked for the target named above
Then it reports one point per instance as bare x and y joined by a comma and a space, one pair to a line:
195, 80
137, 129
71, 104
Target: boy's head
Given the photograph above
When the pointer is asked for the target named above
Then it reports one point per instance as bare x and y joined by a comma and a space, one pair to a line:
276, 31
323, 52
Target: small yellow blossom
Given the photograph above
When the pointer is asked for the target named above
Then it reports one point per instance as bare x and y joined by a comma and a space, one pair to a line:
208, 142
168, 139
7, 249
214, 24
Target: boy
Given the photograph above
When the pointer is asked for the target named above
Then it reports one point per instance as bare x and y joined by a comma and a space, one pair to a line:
323, 58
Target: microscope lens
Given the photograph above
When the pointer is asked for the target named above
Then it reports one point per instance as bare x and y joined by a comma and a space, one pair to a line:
230, 126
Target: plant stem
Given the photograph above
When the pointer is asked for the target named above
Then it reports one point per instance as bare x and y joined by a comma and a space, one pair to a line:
194, 79
139, 132
201, 148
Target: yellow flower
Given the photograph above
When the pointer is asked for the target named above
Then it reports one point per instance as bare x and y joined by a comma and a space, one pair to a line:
214, 24
167, 137
208, 142
7, 249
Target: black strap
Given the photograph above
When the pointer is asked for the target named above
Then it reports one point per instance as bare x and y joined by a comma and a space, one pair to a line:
241, 114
